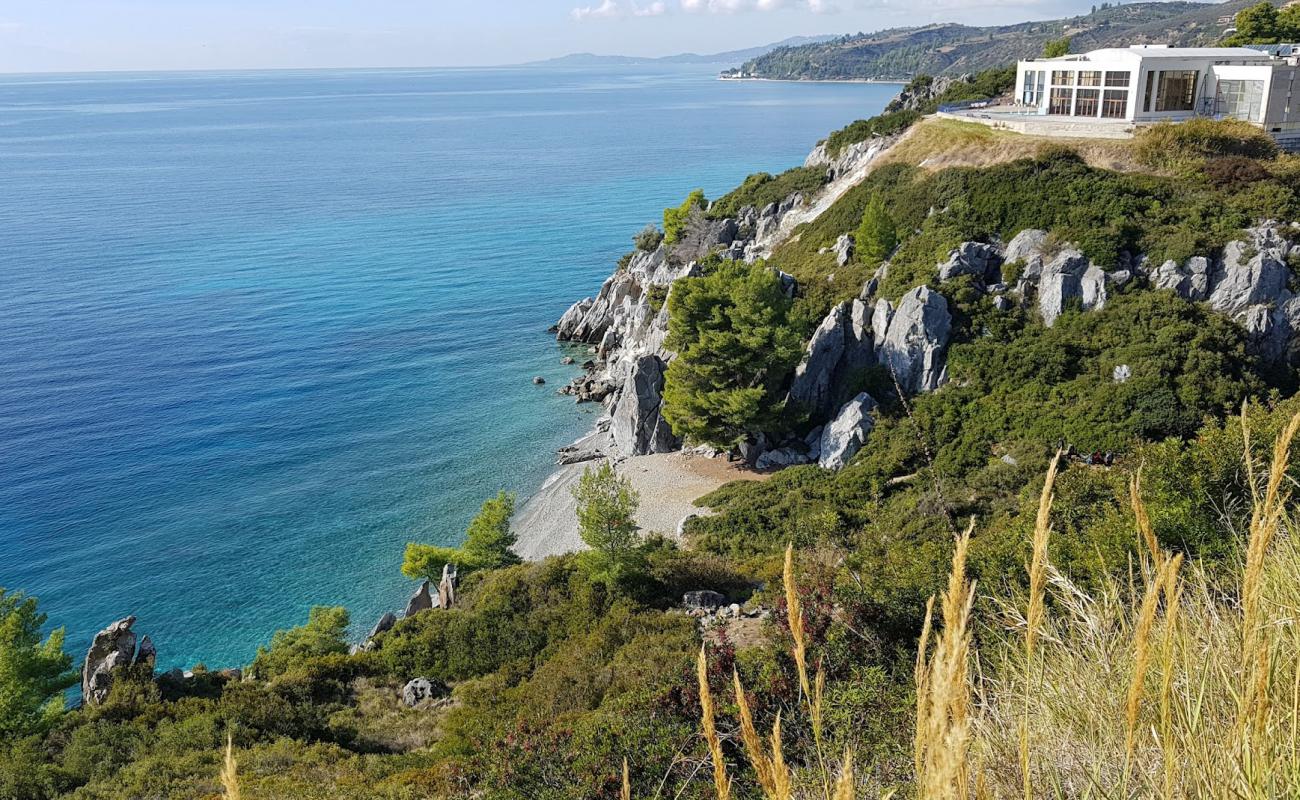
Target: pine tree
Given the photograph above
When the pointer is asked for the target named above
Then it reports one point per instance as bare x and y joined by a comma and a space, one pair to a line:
607, 506
33, 674
877, 235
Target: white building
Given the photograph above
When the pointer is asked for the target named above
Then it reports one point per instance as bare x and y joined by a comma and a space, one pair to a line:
1144, 84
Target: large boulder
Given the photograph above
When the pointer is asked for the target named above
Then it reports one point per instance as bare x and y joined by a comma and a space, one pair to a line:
421, 691
972, 258
843, 249
703, 600
845, 435
782, 457
637, 425
112, 649
1190, 281
840, 346
447, 586
1244, 282
916, 342
422, 600
1063, 279
1029, 248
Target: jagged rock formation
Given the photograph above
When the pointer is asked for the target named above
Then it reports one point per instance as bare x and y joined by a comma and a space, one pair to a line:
983, 261
636, 425
844, 249
422, 600
842, 344
703, 600
113, 649
915, 342
844, 436
447, 586
1069, 275
913, 98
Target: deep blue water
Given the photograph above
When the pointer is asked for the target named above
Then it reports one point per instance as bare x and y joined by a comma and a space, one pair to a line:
257, 330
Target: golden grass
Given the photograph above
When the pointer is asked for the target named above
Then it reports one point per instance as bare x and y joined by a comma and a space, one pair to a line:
230, 771
1169, 685
936, 143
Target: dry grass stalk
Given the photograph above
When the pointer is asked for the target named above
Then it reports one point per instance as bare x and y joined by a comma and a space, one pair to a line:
1173, 596
230, 771
626, 794
944, 731
1143, 519
922, 673
721, 783
761, 763
781, 777
794, 612
1142, 656
1036, 609
844, 784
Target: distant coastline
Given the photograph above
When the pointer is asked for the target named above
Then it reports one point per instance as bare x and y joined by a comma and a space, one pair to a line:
894, 81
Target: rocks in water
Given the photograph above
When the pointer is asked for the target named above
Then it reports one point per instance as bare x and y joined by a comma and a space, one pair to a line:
915, 343
844, 436
843, 249
703, 600
574, 454
112, 649
539, 380
637, 426
420, 691
422, 600
588, 389
567, 360
972, 258
841, 345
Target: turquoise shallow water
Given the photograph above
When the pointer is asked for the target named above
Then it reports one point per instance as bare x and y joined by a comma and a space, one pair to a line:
257, 330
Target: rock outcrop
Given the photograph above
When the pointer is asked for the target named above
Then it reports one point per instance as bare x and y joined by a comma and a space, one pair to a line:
841, 345
422, 600
447, 586
422, 691
637, 427
844, 436
703, 600
915, 95
843, 249
113, 649
973, 258
1067, 276
916, 341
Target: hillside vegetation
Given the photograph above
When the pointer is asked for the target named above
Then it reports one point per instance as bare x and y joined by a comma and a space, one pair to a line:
950, 49
1133, 622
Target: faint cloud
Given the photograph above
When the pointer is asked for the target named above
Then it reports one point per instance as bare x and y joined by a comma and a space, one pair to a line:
742, 6
616, 9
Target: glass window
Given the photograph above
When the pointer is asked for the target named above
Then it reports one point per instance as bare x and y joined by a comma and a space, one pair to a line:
1062, 77
1150, 92
1176, 90
1118, 78
1061, 101
1033, 91
1085, 102
1239, 99
1089, 78
1114, 104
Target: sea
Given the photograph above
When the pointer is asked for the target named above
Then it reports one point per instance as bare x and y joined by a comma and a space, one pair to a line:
258, 330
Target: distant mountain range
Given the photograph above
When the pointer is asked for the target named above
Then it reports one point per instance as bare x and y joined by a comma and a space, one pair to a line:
951, 49
729, 57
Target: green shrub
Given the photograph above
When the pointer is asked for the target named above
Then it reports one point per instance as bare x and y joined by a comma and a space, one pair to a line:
675, 218
762, 189
324, 634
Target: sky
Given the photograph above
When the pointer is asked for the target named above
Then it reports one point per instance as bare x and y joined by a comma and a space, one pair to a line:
89, 35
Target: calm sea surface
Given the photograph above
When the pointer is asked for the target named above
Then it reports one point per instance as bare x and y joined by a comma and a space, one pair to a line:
257, 330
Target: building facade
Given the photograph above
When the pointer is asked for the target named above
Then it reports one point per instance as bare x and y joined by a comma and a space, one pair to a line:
1145, 84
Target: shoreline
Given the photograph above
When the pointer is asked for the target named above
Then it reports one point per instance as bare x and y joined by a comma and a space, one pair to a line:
880, 81
668, 484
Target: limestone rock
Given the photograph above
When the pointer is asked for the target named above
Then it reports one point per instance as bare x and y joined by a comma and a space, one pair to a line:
703, 600
418, 691
972, 258
916, 342
841, 346
420, 601
638, 427
1062, 279
147, 654
1190, 281
844, 249
111, 649
447, 586
782, 457
880, 319
845, 435
1028, 247
1259, 280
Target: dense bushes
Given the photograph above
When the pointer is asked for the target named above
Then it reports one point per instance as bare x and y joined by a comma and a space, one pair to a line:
1188, 144
762, 189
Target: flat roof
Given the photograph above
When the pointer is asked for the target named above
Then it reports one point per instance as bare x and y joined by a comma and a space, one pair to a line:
1161, 51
